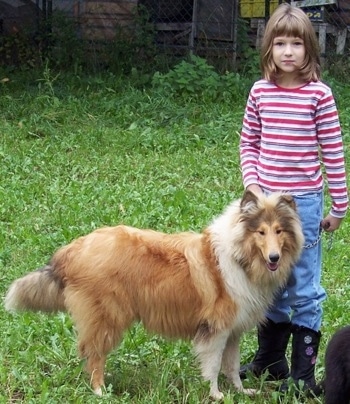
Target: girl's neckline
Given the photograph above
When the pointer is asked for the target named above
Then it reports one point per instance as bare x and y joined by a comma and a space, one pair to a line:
296, 87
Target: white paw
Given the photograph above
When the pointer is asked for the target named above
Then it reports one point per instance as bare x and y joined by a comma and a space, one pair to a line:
217, 395
98, 391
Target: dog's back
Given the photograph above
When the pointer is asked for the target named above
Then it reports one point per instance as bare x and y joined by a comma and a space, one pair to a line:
337, 365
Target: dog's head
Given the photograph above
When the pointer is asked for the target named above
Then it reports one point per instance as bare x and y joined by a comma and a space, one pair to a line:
272, 226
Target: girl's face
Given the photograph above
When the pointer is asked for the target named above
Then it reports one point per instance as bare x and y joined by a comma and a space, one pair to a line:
288, 54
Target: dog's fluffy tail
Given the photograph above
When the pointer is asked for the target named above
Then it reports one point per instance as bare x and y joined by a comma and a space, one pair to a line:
41, 290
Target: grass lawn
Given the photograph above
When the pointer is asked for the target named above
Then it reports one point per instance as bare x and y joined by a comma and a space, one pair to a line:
80, 153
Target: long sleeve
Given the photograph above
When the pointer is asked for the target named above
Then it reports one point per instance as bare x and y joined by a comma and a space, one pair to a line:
287, 135
250, 143
332, 153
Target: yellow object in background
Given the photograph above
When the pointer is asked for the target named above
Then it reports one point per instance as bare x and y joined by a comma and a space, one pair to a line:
256, 8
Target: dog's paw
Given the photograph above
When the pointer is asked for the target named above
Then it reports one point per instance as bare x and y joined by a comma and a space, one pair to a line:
217, 395
98, 391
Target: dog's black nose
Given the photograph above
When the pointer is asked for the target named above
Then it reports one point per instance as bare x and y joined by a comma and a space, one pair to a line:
274, 257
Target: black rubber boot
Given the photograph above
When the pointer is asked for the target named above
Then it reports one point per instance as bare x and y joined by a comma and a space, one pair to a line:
271, 355
305, 345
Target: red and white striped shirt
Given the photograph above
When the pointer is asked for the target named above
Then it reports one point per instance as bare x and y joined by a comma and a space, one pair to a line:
287, 134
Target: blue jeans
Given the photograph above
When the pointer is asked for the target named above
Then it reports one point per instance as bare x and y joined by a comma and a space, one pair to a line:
301, 300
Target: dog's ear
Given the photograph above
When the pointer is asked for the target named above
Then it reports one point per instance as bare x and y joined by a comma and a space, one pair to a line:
287, 199
249, 199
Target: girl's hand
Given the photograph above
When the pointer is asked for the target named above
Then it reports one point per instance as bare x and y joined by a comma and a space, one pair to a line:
331, 223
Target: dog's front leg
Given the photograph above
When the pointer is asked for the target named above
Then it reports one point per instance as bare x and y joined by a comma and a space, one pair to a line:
231, 364
209, 347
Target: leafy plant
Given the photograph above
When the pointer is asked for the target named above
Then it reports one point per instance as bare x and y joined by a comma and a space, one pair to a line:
18, 50
195, 79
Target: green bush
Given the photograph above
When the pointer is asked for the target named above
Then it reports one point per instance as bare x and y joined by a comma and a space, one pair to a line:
195, 79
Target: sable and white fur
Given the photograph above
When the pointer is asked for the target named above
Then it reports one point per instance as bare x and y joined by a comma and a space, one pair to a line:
209, 287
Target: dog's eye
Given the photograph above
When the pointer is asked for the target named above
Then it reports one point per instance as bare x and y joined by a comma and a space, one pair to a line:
261, 232
278, 231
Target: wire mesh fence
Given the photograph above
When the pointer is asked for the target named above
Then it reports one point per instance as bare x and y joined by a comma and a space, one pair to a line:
215, 28
220, 25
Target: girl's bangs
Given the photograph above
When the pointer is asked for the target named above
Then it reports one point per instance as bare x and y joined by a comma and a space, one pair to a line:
289, 27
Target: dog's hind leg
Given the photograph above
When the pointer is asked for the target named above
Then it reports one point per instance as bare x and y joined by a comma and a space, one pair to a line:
209, 346
98, 330
95, 364
231, 364
94, 348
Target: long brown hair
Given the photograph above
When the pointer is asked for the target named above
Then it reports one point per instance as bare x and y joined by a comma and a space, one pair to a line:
289, 20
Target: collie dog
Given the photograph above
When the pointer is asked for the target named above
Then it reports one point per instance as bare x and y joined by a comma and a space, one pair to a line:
336, 383
209, 287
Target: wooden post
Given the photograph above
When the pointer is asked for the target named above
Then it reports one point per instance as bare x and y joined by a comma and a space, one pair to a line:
235, 32
260, 32
341, 39
193, 26
322, 31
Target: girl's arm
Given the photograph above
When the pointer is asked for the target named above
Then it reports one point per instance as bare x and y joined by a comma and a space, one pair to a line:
249, 147
331, 148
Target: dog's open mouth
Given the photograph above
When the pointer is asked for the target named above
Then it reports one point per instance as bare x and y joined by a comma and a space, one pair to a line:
272, 266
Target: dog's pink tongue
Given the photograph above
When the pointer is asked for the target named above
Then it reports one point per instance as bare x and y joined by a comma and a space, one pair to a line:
272, 266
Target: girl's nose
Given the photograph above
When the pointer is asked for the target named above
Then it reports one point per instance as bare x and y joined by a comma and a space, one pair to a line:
288, 50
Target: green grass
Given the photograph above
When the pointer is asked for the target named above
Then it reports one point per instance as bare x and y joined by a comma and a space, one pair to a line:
79, 153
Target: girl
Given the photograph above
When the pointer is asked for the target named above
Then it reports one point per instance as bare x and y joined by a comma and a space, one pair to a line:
290, 124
